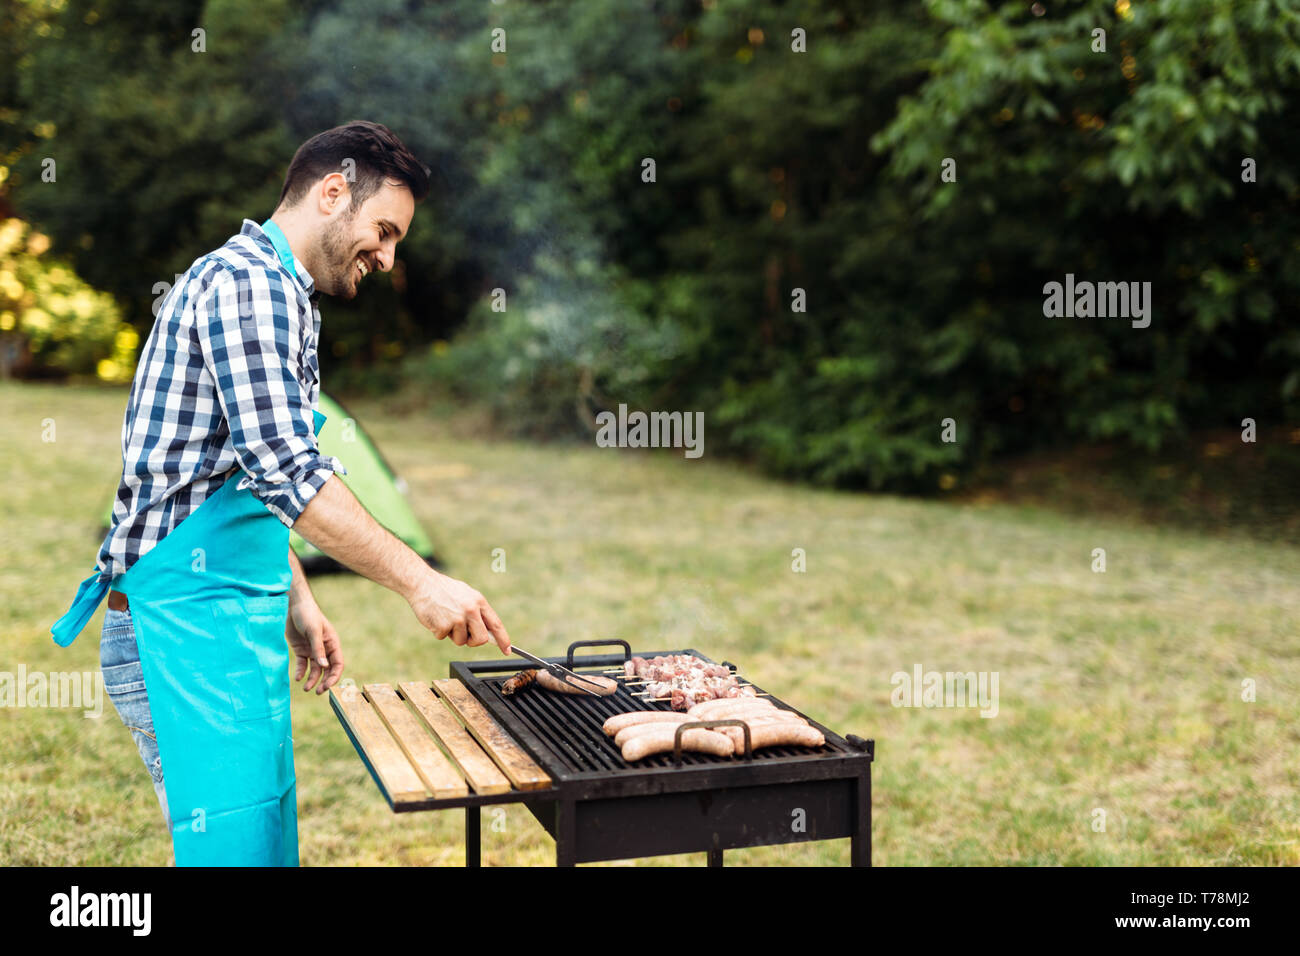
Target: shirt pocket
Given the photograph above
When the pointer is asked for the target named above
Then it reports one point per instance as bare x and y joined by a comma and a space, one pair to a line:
251, 631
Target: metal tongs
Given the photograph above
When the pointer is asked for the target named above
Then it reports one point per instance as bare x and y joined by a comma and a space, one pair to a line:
558, 672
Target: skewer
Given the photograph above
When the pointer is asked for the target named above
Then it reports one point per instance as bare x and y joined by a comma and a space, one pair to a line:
643, 680
646, 696
619, 670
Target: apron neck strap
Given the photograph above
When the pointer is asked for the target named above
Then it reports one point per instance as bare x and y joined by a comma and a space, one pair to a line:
281, 243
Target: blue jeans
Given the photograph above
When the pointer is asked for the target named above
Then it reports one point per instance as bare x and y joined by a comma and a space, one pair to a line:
119, 661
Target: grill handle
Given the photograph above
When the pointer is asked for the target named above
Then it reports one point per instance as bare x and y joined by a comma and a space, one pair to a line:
709, 725
866, 746
627, 648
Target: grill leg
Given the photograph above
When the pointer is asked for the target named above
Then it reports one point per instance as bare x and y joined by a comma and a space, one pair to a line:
715, 857
566, 832
473, 844
860, 842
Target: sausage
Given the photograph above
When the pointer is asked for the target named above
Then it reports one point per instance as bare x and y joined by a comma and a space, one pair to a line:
519, 681
661, 739
775, 713
604, 686
625, 734
637, 717
755, 721
636, 730
743, 706
748, 710
707, 707
774, 733
701, 712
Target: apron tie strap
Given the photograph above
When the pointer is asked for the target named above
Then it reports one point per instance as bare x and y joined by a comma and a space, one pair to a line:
84, 606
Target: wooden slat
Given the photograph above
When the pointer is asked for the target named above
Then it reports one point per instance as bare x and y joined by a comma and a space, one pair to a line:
509, 756
399, 778
474, 763
437, 772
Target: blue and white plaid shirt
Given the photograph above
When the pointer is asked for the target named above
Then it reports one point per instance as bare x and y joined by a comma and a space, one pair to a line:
227, 379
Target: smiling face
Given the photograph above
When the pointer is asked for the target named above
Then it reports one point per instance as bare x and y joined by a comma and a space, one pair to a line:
357, 242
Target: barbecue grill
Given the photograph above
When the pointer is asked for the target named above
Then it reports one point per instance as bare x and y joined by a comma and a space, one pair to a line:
549, 752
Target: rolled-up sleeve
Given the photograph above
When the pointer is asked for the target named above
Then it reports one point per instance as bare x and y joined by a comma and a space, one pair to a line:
252, 338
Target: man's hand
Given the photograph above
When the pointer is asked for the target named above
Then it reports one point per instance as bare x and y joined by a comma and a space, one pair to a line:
452, 608
315, 642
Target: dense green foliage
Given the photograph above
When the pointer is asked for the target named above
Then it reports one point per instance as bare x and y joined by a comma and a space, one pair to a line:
53, 322
775, 171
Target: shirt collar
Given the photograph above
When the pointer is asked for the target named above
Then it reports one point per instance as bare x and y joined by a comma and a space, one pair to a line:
271, 234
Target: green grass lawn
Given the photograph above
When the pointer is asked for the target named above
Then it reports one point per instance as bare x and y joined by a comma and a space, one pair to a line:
1120, 691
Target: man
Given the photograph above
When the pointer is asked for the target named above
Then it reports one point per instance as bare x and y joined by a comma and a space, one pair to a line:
219, 460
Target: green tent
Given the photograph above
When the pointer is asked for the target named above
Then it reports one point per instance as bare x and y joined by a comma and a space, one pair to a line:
371, 479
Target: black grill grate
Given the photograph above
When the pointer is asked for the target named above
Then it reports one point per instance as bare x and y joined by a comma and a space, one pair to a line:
570, 725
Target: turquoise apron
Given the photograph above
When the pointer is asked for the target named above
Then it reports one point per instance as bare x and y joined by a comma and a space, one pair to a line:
209, 604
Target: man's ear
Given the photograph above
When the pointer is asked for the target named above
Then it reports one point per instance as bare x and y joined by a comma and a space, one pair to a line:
333, 194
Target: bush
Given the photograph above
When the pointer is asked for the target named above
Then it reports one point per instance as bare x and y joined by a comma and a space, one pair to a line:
51, 320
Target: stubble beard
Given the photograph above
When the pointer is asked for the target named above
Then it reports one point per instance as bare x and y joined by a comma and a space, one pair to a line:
339, 261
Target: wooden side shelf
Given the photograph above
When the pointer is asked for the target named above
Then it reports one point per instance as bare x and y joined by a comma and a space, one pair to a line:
421, 755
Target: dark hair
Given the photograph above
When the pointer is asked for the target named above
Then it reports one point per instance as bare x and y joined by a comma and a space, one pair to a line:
374, 149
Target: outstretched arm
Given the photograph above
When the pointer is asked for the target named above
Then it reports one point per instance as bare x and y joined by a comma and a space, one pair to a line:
335, 522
